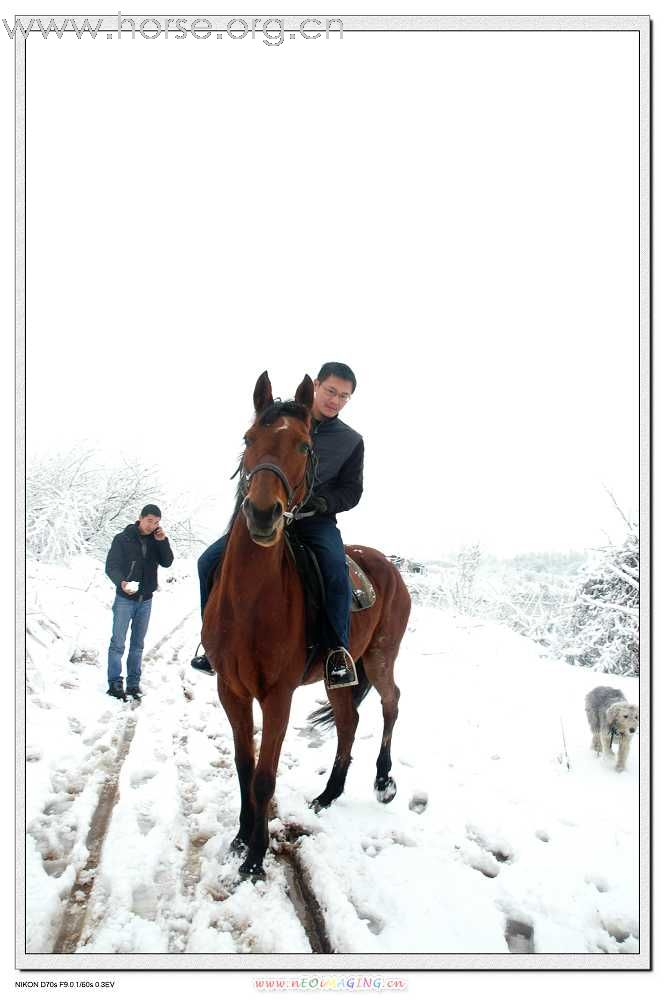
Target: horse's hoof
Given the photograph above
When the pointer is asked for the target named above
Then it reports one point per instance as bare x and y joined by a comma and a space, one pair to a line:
253, 870
385, 790
318, 804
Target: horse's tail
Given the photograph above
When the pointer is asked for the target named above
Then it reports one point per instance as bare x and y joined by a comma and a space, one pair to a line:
324, 717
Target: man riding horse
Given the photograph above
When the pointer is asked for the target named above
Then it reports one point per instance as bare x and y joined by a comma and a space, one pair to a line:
338, 486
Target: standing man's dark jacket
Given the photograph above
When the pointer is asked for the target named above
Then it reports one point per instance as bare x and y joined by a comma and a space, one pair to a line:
134, 556
340, 452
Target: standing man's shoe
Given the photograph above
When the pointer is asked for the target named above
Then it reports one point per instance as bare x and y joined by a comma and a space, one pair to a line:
340, 669
117, 690
135, 693
202, 663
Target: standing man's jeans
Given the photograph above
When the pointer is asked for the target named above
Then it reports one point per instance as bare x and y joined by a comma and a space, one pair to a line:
124, 612
322, 535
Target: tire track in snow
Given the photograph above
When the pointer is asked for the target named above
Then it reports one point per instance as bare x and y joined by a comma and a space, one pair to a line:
76, 907
299, 891
302, 895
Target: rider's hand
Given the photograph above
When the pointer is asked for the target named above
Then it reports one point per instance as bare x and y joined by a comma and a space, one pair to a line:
159, 534
318, 504
129, 587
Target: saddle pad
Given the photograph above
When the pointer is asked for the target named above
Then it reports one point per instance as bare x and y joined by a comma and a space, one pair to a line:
364, 594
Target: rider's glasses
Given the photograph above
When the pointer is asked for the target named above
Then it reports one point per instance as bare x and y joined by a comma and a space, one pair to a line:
344, 397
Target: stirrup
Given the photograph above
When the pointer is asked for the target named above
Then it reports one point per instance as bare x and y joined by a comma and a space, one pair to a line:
202, 663
343, 674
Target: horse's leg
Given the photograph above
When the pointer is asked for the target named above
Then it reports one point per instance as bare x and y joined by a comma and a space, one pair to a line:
239, 712
276, 708
346, 722
379, 665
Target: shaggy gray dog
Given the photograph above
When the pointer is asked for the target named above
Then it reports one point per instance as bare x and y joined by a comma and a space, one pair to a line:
610, 715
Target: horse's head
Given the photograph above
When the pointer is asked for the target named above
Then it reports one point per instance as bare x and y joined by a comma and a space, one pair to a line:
276, 461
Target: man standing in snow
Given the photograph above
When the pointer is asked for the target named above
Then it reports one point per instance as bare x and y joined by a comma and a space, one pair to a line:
132, 565
338, 487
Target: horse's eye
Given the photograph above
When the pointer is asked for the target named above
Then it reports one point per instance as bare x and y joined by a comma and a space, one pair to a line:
304, 447
247, 441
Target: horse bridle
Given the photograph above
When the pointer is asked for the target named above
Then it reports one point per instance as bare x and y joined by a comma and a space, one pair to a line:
309, 477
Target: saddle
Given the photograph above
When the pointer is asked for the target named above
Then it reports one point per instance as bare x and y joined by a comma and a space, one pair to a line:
363, 594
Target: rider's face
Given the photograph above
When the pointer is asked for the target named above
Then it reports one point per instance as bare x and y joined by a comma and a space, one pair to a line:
330, 396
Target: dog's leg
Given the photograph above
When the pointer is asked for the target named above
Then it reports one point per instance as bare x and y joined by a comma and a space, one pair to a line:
622, 755
595, 741
605, 740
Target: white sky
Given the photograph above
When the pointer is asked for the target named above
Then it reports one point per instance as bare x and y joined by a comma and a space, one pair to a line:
455, 216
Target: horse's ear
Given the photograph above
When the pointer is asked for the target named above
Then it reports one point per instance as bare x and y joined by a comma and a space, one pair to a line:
262, 393
305, 393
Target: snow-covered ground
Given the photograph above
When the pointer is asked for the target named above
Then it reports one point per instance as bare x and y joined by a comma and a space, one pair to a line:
492, 839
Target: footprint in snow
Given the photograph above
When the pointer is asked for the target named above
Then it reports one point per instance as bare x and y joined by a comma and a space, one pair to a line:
519, 937
59, 805
139, 778
480, 860
71, 782
54, 843
374, 922
95, 735
495, 845
145, 819
598, 881
619, 928
286, 761
372, 846
144, 902
418, 803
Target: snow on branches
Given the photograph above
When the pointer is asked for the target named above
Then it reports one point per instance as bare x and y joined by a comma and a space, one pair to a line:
76, 503
604, 624
584, 610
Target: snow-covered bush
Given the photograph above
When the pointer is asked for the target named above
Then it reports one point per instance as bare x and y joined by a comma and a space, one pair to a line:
464, 593
75, 503
585, 611
603, 628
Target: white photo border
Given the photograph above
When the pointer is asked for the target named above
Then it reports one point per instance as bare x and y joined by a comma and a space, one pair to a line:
374, 962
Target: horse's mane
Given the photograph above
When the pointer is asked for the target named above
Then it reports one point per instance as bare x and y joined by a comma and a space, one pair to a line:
240, 496
283, 408
278, 408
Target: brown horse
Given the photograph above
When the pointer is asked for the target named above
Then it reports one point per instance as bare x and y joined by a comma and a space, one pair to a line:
254, 621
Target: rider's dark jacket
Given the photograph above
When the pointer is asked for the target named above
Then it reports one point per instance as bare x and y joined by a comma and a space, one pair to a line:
340, 452
134, 556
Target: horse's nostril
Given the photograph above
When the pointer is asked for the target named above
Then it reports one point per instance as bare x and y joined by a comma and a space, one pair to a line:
278, 510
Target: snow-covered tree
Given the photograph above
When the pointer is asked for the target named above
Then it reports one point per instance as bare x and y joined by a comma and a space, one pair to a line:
75, 503
464, 597
603, 631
